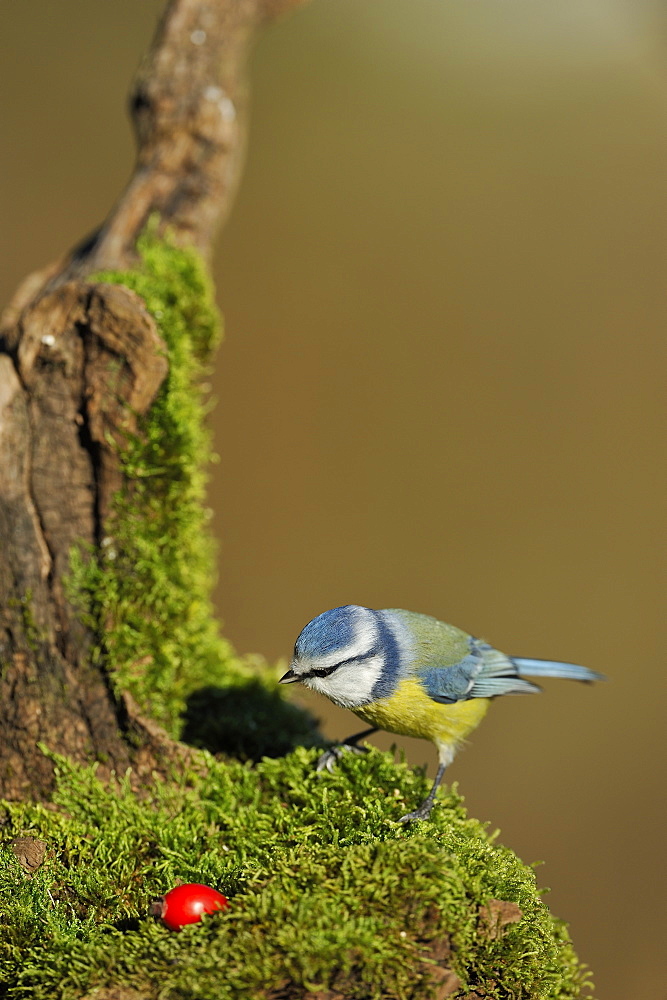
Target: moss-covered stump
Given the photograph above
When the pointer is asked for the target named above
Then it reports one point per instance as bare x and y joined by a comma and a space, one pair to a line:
144, 592
330, 896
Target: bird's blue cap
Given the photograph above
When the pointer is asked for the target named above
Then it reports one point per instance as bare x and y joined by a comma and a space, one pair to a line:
330, 631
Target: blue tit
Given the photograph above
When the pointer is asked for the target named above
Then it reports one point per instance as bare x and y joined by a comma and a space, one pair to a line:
413, 675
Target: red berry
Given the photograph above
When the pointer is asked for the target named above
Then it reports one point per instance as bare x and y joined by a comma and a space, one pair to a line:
186, 903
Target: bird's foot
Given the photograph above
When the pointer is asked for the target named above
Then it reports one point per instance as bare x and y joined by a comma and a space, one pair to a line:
328, 759
423, 812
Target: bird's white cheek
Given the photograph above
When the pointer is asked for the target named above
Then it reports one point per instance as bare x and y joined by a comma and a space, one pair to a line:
319, 684
352, 684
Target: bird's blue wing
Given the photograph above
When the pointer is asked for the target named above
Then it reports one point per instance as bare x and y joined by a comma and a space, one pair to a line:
455, 682
483, 673
454, 666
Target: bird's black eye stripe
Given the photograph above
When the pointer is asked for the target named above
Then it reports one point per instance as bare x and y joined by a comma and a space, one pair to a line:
323, 672
327, 671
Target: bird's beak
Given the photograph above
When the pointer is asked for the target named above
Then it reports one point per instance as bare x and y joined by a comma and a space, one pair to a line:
289, 678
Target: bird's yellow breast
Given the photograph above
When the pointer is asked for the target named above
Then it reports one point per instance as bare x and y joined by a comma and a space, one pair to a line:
410, 712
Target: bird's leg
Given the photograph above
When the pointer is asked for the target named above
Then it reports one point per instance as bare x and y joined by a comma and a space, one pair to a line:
424, 810
334, 753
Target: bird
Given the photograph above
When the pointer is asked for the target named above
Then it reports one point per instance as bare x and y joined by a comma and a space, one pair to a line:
413, 675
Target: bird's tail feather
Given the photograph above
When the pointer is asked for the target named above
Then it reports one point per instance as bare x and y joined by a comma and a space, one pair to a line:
553, 668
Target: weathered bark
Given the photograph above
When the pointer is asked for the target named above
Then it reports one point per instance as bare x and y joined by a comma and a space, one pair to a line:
79, 362
73, 357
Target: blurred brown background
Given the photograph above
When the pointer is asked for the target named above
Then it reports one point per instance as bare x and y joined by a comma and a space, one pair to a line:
441, 383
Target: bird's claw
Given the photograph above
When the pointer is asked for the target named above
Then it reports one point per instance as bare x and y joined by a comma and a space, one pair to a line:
328, 759
422, 813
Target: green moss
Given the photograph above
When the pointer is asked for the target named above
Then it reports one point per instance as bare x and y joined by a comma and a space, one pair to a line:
327, 892
146, 592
